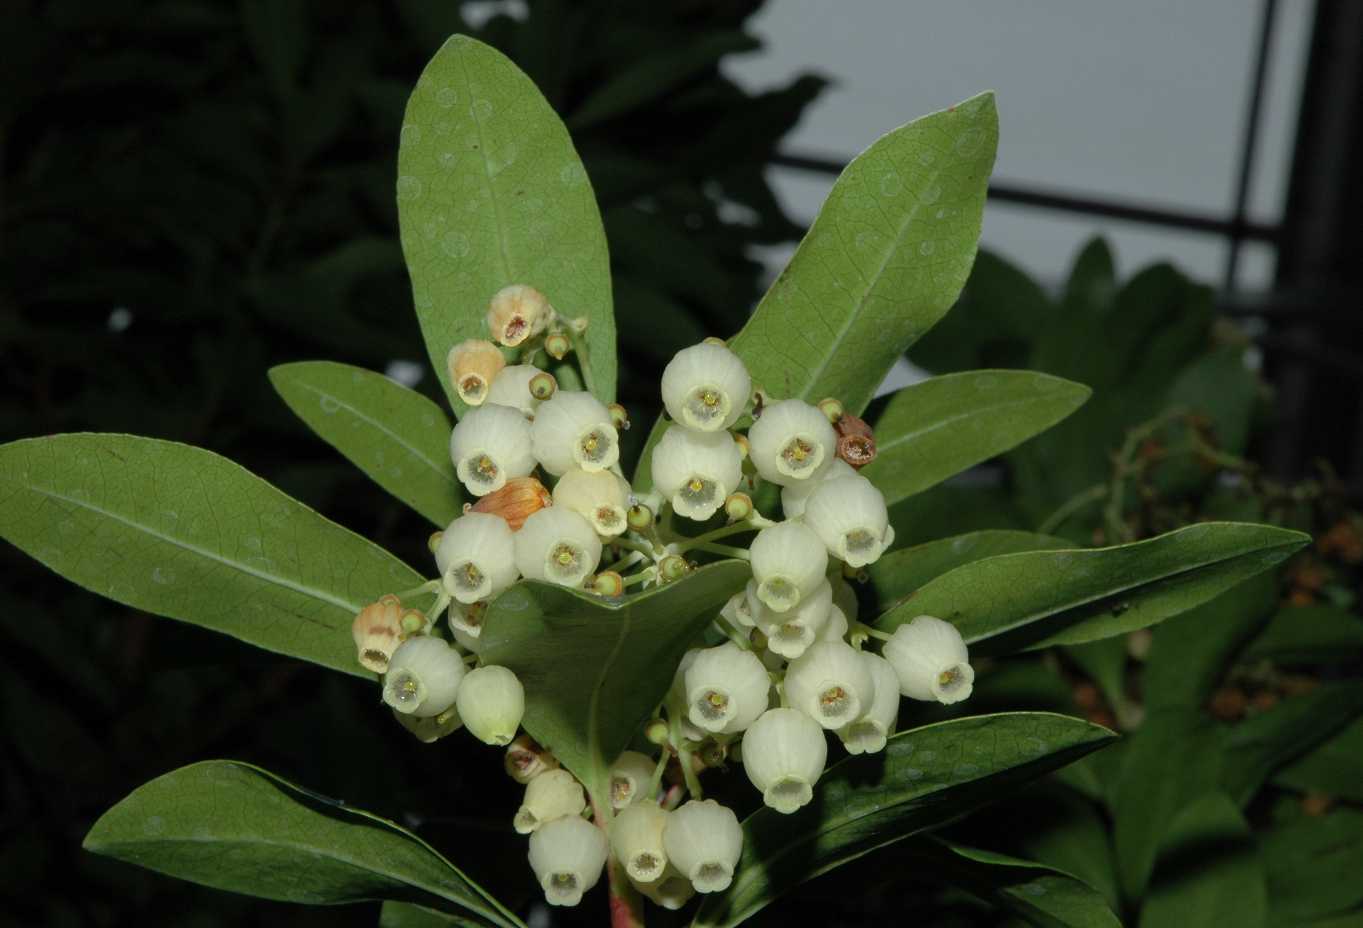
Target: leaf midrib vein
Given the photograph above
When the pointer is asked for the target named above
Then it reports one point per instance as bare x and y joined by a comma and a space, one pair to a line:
415, 452
507, 276
952, 420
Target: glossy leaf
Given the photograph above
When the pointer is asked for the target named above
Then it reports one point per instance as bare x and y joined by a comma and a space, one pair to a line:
1038, 894
884, 260
1309, 635
899, 573
236, 827
395, 435
595, 668
924, 778
1210, 873
184, 533
409, 915
1038, 598
1335, 768
491, 193
1262, 743
932, 430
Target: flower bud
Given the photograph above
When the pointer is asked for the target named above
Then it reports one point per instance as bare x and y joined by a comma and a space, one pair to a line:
619, 417
705, 387
608, 583
526, 759
696, 470
726, 689
856, 442
630, 777
557, 346
703, 839
931, 661
738, 611
558, 546
377, 631
636, 838
490, 446
738, 507
832, 409
791, 632
784, 754
433, 541
551, 795
476, 557
656, 732
672, 567
640, 517
602, 498
792, 441
423, 677
567, 855
491, 702
849, 515
432, 728
573, 429
788, 563
513, 387
520, 499
472, 366
868, 734
830, 684
835, 629
796, 495
516, 313
672, 891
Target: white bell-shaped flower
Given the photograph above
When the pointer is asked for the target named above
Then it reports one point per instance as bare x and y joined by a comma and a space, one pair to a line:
794, 496
835, 629
637, 840
466, 626
573, 429
600, 497
791, 632
472, 366
868, 734
784, 753
703, 840
630, 777
930, 658
788, 563
423, 677
696, 471
671, 890
557, 545
726, 689
511, 387
849, 515
792, 441
491, 702
705, 387
476, 557
738, 611
490, 446
567, 856
549, 796
830, 684
516, 313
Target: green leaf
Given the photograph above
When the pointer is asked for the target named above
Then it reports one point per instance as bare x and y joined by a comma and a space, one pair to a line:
899, 573
940, 427
1334, 768
491, 193
1209, 872
595, 668
184, 533
1262, 743
924, 778
407, 915
885, 259
1309, 635
1038, 894
395, 435
1036, 598
1313, 865
949, 509
236, 827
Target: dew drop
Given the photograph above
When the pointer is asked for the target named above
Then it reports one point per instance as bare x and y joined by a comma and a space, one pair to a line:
913, 773
890, 185
482, 109
926, 248
927, 156
410, 135
447, 159
572, 175
409, 188
154, 825
930, 194
447, 97
455, 244
330, 404
941, 213
865, 240
970, 141
1034, 889
163, 576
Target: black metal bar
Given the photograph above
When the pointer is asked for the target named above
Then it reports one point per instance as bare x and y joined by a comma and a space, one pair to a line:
1249, 146
1073, 203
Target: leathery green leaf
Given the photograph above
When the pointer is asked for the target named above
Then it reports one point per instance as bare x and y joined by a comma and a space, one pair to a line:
1036, 598
899, 573
932, 430
395, 435
593, 667
491, 193
924, 778
184, 533
884, 260
236, 827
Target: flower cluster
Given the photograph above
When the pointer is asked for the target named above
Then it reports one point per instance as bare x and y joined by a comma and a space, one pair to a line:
785, 661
